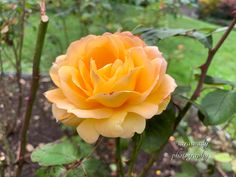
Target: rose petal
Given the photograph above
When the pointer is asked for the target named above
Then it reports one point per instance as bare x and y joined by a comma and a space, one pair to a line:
87, 131
56, 96
133, 123
60, 61
111, 127
145, 109
167, 86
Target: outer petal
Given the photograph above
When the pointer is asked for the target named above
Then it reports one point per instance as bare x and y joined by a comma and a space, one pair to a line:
87, 131
60, 61
56, 96
153, 52
76, 51
64, 117
111, 127
163, 105
167, 86
145, 109
59, 114
133, 123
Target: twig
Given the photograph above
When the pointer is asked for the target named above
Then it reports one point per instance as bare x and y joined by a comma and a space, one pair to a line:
118, 158
204, 69
222, 173
34, 86
196, 93
18, 58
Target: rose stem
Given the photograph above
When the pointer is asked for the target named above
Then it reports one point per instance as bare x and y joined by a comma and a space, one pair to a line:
34, 86
118, 158
136, 147
196, 93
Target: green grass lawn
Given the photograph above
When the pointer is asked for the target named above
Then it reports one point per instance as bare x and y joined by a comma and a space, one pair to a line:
184, 54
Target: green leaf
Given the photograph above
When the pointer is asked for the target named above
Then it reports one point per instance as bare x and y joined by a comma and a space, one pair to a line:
222, 157
182, 89
89, 167
85, 149
218, 81
152, 35
219, 105
187, 169
158, 130
60, 153
55, 171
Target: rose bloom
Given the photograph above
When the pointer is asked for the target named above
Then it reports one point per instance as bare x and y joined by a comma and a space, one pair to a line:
109, 85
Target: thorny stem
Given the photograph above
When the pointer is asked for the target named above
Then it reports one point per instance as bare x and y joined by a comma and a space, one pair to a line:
204, 69
197, 92
34, 86
118, 159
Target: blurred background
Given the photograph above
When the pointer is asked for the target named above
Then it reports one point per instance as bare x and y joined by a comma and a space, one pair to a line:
72, 19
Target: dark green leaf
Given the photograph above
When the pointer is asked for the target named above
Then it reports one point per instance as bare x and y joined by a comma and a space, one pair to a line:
218, 81
158, 130
220, 105
182, 89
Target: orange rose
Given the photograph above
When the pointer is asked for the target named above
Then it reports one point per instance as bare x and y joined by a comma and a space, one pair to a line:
109, 85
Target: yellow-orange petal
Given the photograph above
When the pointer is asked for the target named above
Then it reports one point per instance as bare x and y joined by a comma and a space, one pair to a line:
58, 113
115, 99
162, 106
65, 117
77, 50
146, 110
167, 86
70, 89
111, 127
133, 123
153, 52
87, 131
54, 95
60, 61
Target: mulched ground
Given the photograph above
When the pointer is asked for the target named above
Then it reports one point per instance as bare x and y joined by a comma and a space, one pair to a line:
44, 129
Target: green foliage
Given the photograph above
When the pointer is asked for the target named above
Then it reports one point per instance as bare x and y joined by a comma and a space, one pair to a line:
219, 106
154, 35
158, 130
68, 158
204, 36
218, 81
55, 171
222, 157
55, 154
187, 169
87, 168
59, 153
